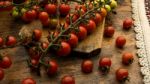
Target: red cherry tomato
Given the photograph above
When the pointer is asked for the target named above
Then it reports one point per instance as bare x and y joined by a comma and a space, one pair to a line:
1, 3
46, 23
127, 23
127, 58
90, 26
64, 9
44, 45
28, 81
37, 33
80, 6
1, 42
53, 68
43, 16
64, 50
1, 74
68, 80
98, 18
82, 34
25, 19
34, 54
51, 9
109, 31
34, 62
122, 75
104, 64
87, 66
5, 62
11, 41
120, 41
79, 13
73, 40
31, 15
74, 18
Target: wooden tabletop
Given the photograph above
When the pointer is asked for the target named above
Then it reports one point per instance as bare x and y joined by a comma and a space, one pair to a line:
71, 65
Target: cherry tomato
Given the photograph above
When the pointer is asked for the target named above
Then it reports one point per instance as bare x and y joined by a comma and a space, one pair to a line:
109, 31
34, 54
28, 81
44, 45
64, 50
51, 9
122, 75
1, 74
90, 26
68, 80
73, 40
37, 33
104, 64
54, 22
31, 15
127, 58
82, 34
1, 3
80, 6
46, 23
87, 66
11, 41
127, 23
7, 3
43, 16
64, 9
53, 68
25, 19
1, 41
89, 4
98, 18
103, 12
120, 41
34, 62
5, 62
74, 18
79, 12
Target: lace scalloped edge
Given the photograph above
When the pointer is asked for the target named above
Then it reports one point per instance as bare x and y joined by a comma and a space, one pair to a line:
140, 43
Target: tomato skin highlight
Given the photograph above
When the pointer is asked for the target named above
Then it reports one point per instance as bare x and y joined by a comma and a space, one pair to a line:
53, 68
122, 75
68, 80
87, 66
64, 50
5, 62
127, 58
28, 81
1, 74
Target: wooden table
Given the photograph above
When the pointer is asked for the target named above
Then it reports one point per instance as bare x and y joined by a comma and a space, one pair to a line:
71, 65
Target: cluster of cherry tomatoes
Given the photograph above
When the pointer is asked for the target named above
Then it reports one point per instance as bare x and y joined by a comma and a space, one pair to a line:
5, 5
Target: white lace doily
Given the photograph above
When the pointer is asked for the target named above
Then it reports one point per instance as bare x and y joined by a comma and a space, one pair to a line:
142, 30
